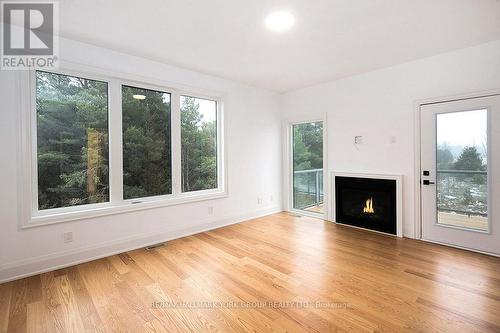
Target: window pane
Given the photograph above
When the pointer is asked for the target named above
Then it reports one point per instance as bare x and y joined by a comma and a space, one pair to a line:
147, 155
308, 167
72, 140
462, 177
199, 144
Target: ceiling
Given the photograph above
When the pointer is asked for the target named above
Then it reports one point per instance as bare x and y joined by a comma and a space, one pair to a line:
331, 39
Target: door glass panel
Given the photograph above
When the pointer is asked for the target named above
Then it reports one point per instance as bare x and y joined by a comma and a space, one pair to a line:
462, 177
308, 167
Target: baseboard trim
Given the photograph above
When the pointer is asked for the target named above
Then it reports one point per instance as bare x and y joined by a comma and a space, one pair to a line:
42, 264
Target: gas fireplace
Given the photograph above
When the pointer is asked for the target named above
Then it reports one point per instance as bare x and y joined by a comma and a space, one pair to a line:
368, 203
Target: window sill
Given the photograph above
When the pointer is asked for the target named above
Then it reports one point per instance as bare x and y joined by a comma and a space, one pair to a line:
125, 207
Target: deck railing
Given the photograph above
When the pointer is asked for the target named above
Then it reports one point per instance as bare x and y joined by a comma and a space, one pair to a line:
307, 188
468, 212
463, 172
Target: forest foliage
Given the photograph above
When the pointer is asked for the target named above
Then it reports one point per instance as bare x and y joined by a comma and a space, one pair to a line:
72, 141
73, 148
308, 146
469, 159
199, 146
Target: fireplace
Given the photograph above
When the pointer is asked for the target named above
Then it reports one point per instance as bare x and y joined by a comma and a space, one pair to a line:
370, 203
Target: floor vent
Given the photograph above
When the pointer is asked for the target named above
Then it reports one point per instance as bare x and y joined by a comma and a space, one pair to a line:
154, 246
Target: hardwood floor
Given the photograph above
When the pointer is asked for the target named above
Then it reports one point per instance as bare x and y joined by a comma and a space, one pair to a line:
327, 278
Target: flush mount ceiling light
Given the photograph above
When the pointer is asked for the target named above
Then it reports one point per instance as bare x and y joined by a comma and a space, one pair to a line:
139, 96
280, 21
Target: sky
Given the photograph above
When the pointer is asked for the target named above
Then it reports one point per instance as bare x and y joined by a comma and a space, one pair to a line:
208, 109
468, 128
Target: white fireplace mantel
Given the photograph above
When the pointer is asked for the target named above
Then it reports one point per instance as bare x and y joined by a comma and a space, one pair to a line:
399, 194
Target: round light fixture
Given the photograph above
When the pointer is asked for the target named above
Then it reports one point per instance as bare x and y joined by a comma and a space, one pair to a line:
280, 21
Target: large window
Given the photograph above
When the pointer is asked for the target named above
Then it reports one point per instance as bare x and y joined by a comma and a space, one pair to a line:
72, 140
199, 144
101, 144
146, 143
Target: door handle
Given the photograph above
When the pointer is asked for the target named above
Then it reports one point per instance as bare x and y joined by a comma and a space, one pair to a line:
428, 182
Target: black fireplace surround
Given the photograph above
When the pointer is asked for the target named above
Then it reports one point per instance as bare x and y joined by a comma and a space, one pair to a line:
366, 203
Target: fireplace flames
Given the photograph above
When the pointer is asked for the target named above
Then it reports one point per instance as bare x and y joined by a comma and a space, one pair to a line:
368, 209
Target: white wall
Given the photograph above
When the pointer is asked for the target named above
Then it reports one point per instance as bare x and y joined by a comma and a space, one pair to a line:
380, 104
253, 143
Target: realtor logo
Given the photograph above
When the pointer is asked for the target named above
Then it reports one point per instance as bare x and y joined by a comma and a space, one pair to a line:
29, 34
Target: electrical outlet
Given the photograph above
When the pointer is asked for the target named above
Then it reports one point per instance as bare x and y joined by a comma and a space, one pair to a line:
358, 139
259, 200
68, 237
210, 210
392, 139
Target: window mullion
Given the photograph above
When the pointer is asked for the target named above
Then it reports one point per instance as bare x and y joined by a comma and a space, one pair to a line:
176, 143
115, 143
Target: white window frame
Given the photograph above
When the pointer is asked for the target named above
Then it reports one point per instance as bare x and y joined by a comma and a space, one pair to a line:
28, 177
288, 165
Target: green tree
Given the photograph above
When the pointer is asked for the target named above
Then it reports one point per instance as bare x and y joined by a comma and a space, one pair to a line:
469, 159
199, 147
72, 144
146, 143
308, 146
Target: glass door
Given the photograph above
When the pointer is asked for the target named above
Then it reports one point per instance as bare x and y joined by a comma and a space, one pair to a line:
307, 167
459, 173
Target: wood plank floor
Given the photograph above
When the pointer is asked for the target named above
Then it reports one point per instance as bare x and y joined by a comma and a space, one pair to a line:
278, 273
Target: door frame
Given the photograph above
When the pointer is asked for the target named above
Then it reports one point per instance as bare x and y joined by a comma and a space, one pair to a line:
417, 152
288, 164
